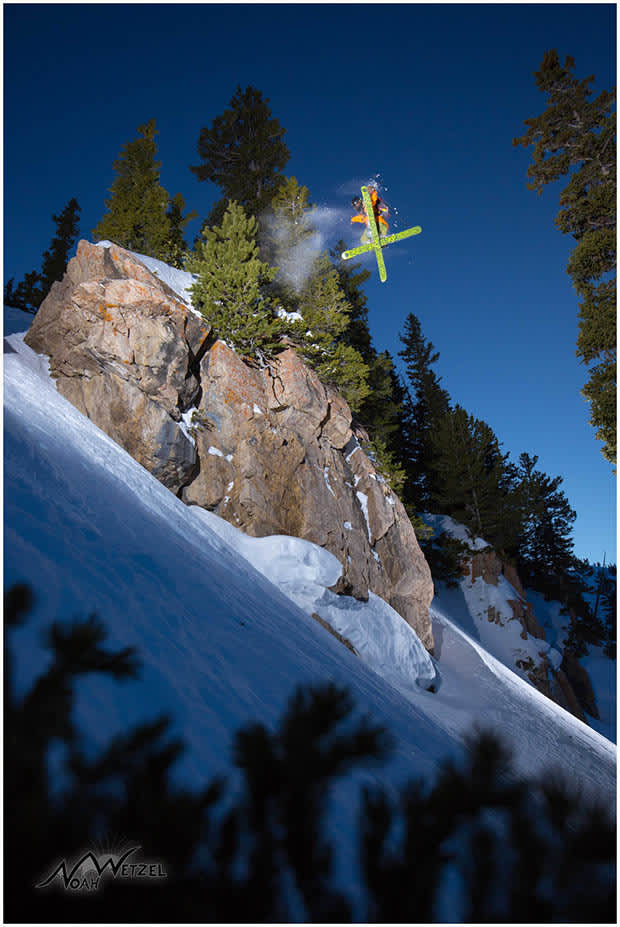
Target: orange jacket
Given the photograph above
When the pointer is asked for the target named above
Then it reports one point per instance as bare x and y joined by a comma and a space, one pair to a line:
378, 207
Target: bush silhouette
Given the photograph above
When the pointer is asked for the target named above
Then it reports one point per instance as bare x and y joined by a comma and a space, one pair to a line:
496, 847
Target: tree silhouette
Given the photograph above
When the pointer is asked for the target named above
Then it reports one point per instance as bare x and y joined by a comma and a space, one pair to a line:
527, 851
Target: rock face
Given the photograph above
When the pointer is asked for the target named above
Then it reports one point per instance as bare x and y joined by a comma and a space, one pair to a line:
489, 566
269, 449
124, 350
569, 684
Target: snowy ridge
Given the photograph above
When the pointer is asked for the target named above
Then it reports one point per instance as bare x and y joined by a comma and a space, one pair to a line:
221, 620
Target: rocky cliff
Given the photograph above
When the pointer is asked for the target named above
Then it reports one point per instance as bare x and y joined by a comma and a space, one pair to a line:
270, 449
567, 683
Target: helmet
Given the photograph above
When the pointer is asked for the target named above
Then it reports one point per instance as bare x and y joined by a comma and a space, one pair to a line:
356, 201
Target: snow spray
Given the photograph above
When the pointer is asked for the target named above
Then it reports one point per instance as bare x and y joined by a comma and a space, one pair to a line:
301, 241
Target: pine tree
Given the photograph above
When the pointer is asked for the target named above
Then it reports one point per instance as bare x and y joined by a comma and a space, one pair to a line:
609, 612
380, 412
243, 152
351, 277
545, 543
287, 239
472, 480
32, 290
140, 215
575, 137
523, 850
318, 334
176, 248
232, 282
386, 411
56, 257
429, 404
27, 295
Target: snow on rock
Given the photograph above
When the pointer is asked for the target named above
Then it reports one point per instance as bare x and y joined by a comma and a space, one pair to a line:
126, 351
538, 730
522, 630
484, 611
304, 573
289, 316
443, 523
363, 501
178, 280
601, 670
37, 364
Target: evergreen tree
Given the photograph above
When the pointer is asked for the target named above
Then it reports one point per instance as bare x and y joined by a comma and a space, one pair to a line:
523, 850
318, 334
429, 404
383, 412
351, 277
609, 611
286, 239
231, 287
545, 544
140, 215
32, 290
55, 259
472, 479
380, 412
243, 152
176, 248
575, 137
27, 295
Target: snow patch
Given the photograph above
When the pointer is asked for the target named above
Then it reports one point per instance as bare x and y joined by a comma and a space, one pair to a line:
363, 501
326, 478
179, 281
303, 572
443, 523
186, 425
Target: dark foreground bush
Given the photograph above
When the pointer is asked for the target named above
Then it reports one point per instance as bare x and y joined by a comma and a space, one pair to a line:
501, 848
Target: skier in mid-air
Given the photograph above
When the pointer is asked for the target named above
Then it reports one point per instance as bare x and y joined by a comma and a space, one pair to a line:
371, 210
380, 209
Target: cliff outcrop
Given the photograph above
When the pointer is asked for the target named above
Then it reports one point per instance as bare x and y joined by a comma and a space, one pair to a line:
565, 682
270, 449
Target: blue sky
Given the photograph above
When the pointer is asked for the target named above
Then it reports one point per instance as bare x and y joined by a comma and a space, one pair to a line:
428, 96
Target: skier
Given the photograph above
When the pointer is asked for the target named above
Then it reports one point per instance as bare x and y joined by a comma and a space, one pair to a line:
380, 210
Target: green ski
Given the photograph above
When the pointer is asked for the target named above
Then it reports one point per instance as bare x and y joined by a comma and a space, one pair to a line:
386, 240
374, 233
376, 243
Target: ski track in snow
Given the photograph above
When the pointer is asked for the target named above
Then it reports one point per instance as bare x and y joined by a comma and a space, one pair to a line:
221, 643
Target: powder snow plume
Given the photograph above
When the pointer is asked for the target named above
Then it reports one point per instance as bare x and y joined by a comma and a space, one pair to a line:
318, 228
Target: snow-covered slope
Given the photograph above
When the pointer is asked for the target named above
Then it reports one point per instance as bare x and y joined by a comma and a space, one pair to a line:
468, 606
222, 622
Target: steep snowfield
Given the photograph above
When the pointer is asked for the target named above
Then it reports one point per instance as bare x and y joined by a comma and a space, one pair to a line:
468, 604
221, 620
